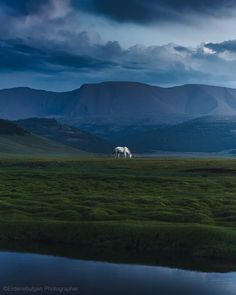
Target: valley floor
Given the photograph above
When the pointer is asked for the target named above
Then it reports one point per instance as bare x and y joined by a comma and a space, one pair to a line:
155, 206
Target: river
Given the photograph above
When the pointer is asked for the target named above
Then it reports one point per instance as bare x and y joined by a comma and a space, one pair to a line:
27, 273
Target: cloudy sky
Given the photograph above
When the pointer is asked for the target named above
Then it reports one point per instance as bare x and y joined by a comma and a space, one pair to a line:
61, 44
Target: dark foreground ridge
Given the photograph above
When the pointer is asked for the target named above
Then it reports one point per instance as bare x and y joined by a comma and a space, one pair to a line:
143, 239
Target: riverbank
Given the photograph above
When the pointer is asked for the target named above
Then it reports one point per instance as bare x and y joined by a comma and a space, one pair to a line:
145, 206
141, 238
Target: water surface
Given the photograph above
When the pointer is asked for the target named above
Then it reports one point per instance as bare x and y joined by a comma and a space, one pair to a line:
22, 273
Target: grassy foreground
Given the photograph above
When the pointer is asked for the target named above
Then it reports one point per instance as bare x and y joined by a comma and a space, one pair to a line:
143, 205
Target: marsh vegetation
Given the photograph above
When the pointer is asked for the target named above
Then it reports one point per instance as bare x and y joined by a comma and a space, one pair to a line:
144, 205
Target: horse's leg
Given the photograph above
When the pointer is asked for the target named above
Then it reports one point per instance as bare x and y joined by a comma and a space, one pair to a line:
125, 154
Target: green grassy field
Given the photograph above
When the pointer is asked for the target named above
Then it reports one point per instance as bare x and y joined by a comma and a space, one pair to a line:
144, 205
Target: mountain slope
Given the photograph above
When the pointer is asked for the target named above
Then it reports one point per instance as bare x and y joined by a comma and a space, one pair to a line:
10, 128
71, 136
16, 140
207, 134
119, 103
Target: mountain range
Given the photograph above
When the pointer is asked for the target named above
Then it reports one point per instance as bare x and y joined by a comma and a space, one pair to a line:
95, 117
119, 103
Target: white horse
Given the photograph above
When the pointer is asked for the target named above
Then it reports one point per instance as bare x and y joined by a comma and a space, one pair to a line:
122, 150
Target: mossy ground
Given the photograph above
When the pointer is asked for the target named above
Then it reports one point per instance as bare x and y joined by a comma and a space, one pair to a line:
144, 205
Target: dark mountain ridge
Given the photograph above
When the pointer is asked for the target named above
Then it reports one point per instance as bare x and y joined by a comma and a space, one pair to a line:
206, 134
67, 135
10, 128
15, 140
119, 103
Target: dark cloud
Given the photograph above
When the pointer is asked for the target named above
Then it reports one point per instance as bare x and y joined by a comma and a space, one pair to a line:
165, 65
146, 11
223, 46
18, 57
43, 39
15, 56
73, 61
23, 7
182, 49
137, 11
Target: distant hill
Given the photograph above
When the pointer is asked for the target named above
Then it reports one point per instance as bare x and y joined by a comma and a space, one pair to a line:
207, 134
10, 128
65, 134
114, 104
16, 140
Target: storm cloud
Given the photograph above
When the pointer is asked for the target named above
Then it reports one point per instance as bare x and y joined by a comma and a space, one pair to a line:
146, 11
138, 11
17, 56
229, 46
32, 7
47, 44
165, 65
